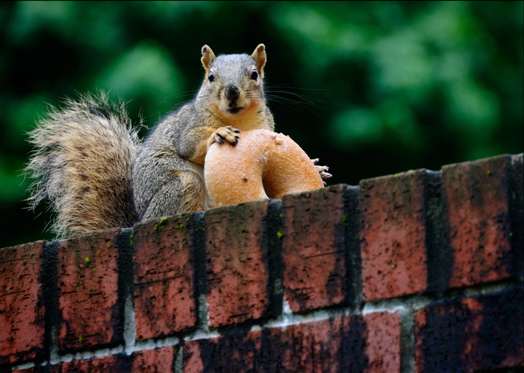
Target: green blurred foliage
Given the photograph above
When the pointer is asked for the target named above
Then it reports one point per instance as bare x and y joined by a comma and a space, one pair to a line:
371, 88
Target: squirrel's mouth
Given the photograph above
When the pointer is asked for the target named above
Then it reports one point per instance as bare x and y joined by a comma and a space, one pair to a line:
235, 109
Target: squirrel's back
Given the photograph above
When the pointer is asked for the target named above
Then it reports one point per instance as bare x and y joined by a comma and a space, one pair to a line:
82, 163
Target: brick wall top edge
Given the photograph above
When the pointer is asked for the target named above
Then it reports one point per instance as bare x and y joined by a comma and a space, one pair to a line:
514, 159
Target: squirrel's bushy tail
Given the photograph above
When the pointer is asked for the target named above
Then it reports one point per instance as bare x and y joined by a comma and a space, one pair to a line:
82, 164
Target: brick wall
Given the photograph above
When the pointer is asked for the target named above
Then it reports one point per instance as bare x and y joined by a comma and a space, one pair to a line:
416, 272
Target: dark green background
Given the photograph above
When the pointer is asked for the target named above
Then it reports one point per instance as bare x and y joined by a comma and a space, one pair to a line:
371, 88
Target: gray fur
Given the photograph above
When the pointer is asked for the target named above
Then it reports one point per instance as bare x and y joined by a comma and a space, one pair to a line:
81, 162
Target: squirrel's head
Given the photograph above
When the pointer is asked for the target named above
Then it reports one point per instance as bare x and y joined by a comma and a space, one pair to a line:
233, 83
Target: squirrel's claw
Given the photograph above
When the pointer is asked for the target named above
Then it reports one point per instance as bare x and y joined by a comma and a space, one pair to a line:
322, 170
222, 134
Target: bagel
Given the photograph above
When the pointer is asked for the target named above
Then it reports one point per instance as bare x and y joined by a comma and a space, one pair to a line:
262, 165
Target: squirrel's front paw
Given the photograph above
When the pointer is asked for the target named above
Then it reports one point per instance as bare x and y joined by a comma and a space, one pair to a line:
322, 170
222, 134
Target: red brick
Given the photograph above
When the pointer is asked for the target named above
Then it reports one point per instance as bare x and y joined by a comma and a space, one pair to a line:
393, 235
236, 263
345, 344
151, 361
383, 342
114, 363
236, 353
193, 362
164, 278
368, 343
314, 248
88, 291
477, 195
472, 334
21, 313
159, 360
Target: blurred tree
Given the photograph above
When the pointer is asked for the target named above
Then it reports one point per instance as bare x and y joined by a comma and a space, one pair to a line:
372, 88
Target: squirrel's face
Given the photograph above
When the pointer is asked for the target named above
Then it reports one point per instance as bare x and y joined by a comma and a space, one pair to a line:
233, 84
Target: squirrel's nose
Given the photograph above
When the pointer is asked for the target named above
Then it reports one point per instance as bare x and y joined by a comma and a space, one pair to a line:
232, 93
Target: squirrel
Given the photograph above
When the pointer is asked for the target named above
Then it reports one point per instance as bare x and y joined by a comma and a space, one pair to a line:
89, 161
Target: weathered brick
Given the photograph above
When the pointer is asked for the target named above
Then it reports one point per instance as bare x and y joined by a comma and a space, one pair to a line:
237, 353
21, 311
114, 363
314, 248
368, 343
472, 334
193, 359
148, 361
88, 291
393, 235
345, 344
383, 342
151, 361
164, 277
238, 277
479, 224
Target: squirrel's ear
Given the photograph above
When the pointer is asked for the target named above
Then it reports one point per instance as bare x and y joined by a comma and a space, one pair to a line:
207, 57
259, 55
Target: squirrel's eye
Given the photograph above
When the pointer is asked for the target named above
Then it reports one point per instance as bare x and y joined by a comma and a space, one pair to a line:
254, 74
211, 76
